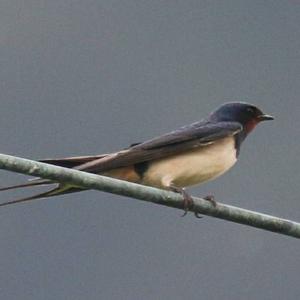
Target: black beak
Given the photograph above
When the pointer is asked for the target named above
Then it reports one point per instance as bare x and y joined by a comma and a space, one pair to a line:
265, 117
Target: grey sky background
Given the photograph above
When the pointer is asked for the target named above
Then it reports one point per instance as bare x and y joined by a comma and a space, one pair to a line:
86, 77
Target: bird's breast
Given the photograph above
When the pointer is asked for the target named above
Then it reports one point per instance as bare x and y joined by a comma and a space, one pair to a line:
192, 167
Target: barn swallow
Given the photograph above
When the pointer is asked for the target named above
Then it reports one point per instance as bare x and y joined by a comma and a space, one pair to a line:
190, 155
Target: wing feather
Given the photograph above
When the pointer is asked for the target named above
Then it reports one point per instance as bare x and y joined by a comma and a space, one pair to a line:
188, 137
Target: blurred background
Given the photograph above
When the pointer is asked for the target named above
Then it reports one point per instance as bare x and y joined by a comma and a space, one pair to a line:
86, 77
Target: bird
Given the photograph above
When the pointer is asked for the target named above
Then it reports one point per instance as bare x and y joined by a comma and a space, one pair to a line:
190, 155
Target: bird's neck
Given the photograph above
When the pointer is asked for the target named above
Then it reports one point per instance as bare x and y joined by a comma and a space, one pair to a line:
240, 137
250, 125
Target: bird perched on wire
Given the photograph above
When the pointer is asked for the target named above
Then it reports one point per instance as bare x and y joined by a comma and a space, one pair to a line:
190, 155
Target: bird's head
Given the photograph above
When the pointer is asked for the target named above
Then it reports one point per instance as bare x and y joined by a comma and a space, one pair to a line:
246, 114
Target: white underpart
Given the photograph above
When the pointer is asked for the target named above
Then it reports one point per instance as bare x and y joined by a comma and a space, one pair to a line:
193, 167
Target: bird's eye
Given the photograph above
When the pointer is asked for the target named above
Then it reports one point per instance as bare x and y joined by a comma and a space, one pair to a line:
250, 110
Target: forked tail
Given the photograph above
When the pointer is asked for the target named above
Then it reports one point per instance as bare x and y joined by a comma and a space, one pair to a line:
27, 184
38, 196
68, 162
58, 190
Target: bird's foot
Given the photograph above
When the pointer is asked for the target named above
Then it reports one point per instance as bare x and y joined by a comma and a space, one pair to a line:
211, 199
188, 202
